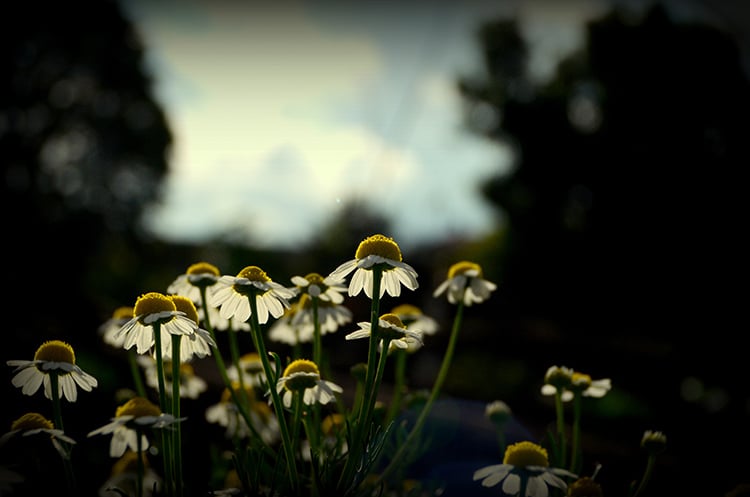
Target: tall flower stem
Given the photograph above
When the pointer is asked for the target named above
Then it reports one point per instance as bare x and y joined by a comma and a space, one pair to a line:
241, 405
136, 372
57, 415
166, 443
139, 463
646, 474
361, 411
436, 388
575, 449
177, 435
560, 415
278, 407
398, 384
317, 359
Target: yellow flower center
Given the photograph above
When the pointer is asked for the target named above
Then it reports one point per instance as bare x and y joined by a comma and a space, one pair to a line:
314, 279
254, 273
203, 268
392, 319
32, 421
407, 310
185, 305
137, 407
301, 382
464, 267
55, 351
580, 381
153, 303
125, 312
524, 454
379, 245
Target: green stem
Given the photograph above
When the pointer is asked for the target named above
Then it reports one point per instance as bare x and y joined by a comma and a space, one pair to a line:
436, 388
646, 474
235, 351
361, 426
57, 415
317, 345
559, 410
241, 406
177, 435
166, 444
576, 443
136, 372
278, 407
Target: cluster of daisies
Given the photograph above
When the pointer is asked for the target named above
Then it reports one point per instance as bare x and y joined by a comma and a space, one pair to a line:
290, 429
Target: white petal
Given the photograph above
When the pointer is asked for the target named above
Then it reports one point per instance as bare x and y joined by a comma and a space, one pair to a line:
512, 484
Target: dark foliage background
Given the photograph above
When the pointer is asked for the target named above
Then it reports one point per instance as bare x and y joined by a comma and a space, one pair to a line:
621, 257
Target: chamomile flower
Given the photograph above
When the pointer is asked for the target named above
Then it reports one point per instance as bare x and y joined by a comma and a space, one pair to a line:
298, 326
328, 289
111, 326
413, 318
131, 420
465, 284
303, 376
391, 327
525, 464
377, 250
150, 309
571, 383
226, 414
232, 294
198, 343
222, 324
52, 357
198, 276
252, 370
191, 385
32, 424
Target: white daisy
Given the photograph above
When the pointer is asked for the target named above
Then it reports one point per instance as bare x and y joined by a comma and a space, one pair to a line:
232, 294
226, 414
108, 330
221, 324
382, 251
253, 373
135, 416
303, 376
570, 383
391, 327
52, 357
328, 289
198, 343
465, 284
525, 463
33, 423
198, 276
413, 318
150, 309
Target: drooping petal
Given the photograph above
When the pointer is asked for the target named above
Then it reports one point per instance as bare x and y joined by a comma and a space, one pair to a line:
512, 484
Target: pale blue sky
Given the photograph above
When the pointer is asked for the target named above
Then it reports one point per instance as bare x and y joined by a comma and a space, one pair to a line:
282, 113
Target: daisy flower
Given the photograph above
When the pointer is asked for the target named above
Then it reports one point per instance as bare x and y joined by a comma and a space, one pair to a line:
465, 284
198, 276
222, 324
191, 385
391, 327
131, 419
252, 370
225, 414
303, 376
525, 465
571, 382
150, 309
413, 317
52, 357
233, 294
110, 327
33, 423
328, 289
198, 343
382, 251
654, 441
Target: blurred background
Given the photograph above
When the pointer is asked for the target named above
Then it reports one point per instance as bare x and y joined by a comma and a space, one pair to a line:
588, 155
